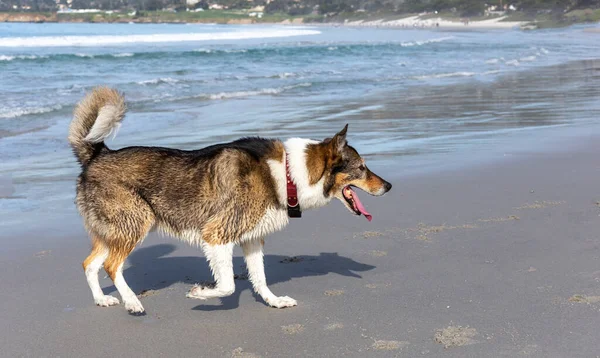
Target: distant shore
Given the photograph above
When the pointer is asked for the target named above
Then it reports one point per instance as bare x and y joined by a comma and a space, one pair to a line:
443, 21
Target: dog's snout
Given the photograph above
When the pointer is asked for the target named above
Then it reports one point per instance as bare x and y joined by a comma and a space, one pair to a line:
387, 186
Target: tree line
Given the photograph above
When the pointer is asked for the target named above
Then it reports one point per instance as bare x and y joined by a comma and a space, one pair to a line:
304, 7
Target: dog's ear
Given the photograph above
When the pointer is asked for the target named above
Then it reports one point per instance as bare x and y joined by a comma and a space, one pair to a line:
339, 140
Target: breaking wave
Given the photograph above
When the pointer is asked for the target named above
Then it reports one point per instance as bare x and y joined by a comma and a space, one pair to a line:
425, 42
19, 112
93, 41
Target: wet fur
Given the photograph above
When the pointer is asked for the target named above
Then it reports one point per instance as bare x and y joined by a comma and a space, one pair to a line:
215, 197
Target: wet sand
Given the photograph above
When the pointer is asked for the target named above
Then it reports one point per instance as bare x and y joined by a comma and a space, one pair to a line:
501, 259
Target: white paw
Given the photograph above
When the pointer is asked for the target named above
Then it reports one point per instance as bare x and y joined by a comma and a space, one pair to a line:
106, 301
282, 302
196, 292
133, 305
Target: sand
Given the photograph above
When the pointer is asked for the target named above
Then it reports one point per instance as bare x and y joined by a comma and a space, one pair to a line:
412, 22
511, 255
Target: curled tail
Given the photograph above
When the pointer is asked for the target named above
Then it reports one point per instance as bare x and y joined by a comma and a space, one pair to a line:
95, 118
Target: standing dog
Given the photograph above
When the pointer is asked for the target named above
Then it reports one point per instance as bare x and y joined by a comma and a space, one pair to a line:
216, 197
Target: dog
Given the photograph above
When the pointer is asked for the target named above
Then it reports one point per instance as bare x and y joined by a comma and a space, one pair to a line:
223, 195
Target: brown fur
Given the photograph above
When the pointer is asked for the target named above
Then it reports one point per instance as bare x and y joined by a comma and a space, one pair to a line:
123, 194
85, 116
213, 195
340, 165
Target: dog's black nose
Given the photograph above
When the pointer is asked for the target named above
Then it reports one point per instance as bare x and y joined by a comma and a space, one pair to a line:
387, 186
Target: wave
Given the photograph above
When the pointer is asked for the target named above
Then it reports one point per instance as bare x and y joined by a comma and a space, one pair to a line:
93, 41
425, 42
263, 91
446, 75
304, 47
80, 56
20, 57
207, 50
512, 63
19, 112
528, 59
157, 81
240, 94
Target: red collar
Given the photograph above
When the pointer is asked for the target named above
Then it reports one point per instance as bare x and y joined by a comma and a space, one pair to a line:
293, 206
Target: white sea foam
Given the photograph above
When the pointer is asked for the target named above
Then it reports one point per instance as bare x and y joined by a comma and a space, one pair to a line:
286, 75
20, 57
263, 91
157, 81
512, 63
445, 75
425, 42
125, 54
544, 51
18, 112
492, 61
493, 72
58, 41
528, 59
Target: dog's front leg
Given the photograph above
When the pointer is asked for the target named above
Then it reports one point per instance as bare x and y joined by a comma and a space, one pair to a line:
253, 254
220, 259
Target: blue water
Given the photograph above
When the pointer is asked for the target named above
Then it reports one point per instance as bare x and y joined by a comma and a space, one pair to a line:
407, 94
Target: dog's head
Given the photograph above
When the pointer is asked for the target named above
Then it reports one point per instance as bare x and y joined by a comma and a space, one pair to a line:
344, 169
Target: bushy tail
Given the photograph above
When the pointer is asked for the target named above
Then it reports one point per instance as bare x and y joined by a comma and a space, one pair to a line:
95, 118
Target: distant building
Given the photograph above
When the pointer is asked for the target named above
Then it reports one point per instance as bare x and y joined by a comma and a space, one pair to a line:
217, 7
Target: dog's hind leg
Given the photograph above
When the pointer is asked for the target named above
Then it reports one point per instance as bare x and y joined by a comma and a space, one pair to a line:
253, 254
114, 268
91, 266
220, 259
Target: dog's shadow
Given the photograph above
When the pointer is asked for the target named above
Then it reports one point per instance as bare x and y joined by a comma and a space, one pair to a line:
152, 269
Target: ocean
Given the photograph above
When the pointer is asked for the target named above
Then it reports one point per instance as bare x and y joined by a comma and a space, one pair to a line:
415, 100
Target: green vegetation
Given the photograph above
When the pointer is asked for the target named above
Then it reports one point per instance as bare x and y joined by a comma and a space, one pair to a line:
544, 13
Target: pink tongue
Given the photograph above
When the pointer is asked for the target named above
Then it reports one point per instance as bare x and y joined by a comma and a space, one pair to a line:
360, 206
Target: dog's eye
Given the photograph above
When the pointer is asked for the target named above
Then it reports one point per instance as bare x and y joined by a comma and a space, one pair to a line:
362, 167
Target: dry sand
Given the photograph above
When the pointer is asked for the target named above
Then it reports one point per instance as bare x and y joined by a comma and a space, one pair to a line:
412, 22
529, 286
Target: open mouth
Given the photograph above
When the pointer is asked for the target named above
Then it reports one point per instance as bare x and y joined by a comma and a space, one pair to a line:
354, 203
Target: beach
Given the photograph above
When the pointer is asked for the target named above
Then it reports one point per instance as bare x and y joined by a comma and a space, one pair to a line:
486, 246
508, 251
497, 23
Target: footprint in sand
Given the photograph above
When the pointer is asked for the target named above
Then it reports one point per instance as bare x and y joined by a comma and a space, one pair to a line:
499, 219
333, 326
42, 253
455, 336
378, 253
334, 292
239, 353
540, 204
368, 234
377, 285
293, 328
148, 292
389, 345
584, 299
